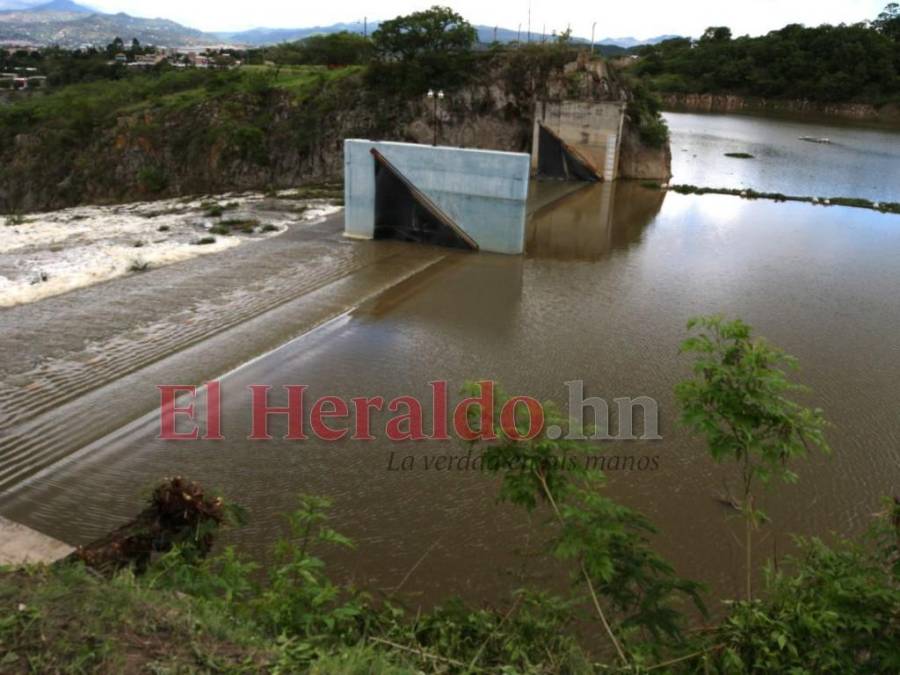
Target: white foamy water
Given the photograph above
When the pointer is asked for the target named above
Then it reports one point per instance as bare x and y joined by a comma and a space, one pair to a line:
55, 252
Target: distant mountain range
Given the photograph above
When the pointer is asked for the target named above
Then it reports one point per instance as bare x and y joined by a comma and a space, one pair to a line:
486, 34
69, 24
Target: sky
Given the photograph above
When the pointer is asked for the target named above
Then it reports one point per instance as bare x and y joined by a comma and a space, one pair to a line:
641, 19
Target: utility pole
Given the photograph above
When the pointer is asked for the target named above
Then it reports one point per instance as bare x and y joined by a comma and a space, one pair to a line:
495, 33
593, 28
529, 21
434, 118
366, 28
519, 36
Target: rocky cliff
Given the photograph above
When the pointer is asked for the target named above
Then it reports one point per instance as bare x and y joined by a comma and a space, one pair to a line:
254, 136
641, 161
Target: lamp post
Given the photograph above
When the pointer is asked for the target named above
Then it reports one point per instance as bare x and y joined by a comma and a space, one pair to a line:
439, 96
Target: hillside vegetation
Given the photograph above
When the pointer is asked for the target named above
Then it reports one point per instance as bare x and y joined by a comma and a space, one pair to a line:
117, 135
855, 63
170, 132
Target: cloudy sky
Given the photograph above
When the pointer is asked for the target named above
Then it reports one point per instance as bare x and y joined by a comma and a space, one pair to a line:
641, 18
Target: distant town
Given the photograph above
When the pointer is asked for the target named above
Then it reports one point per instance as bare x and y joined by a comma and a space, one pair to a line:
18, 72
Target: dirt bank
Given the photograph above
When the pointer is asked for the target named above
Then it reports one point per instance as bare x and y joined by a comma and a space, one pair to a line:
863, 113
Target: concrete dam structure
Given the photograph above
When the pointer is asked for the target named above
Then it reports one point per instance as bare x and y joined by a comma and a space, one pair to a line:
577, 140
470, 199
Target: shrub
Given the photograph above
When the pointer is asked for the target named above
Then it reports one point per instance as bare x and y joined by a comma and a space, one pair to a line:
829, 609
153, 179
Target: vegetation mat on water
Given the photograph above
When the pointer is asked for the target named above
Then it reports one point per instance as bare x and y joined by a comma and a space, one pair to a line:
746, 193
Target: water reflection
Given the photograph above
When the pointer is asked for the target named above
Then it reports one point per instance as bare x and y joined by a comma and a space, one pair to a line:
578, 221
858, 162
496, 280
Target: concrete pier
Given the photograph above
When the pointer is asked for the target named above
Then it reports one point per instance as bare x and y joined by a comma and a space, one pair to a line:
479, 194
20, 545
591, 130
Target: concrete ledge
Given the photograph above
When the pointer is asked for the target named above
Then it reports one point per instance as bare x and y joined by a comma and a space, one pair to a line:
20, 545
482, 191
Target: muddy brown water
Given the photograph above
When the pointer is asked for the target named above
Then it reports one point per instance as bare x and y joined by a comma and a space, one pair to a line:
612, 275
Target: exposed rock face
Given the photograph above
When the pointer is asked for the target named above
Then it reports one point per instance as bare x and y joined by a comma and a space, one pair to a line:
643, 162
220, 145
728, 103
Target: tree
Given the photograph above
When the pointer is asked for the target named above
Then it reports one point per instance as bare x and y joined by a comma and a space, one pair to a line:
435, 30
716, 34
633, 591
335, 49
738, 400
888, 22
117, 46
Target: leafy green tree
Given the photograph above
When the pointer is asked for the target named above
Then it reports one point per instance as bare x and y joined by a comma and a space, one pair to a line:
716, 34
435, 30
738, 401
425, 50
334, 49
115, 47
632, 590
825, 63
888, 22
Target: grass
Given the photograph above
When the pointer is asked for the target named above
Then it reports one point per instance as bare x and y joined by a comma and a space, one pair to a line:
190, 614
229, 226
301, 80
205, 241
246, 225
67, 620
183, 611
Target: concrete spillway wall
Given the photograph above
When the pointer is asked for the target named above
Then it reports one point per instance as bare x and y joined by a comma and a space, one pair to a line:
20, 545
592, 130
482, 192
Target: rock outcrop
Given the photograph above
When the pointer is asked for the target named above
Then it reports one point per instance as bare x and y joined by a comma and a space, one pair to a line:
272, 140
640, 161
729, 103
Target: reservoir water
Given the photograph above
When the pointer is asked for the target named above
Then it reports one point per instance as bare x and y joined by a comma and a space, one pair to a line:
858, 162
612, 275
